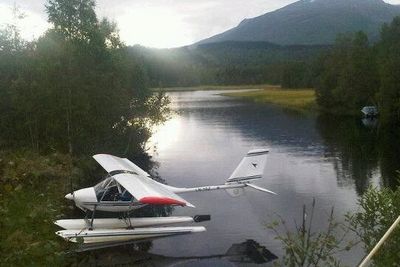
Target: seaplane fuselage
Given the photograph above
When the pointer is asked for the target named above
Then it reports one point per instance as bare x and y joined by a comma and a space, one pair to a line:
86, 199
128, 187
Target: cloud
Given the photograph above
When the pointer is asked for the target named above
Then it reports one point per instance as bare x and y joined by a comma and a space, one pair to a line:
157, 23
31, 26
169, 23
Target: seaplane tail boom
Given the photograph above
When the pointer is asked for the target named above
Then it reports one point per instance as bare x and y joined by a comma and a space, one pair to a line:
249, 169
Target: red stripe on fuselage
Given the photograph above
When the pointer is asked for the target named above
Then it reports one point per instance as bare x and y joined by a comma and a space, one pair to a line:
161, 201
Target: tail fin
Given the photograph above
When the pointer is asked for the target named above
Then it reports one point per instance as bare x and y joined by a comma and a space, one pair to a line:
251, 167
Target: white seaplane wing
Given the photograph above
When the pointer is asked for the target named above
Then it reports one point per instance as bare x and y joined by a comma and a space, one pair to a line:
138, 182
112, 163
148, 191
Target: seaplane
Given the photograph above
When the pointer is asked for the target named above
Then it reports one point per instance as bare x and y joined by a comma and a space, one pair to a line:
127, 187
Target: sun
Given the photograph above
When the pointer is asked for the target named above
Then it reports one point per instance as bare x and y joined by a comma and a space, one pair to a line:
159, 27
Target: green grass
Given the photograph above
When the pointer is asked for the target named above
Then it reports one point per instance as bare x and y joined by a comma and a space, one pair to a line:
32, 189
211, 87
294, 99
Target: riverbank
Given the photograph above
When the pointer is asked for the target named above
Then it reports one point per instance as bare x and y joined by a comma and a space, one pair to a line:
212, 87
303, 100
32, 191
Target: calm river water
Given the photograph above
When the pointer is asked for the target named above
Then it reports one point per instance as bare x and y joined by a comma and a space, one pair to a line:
330, 159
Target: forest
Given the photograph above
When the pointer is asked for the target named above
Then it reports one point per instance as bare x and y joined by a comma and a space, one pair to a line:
355, 73
72, 93
348, 75
228, 63
76, 88
81, 67
79, 90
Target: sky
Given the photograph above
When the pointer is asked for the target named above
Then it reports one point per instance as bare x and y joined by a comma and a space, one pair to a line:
154, 23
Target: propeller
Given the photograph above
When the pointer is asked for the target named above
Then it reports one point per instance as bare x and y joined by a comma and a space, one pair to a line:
261, 189
71, 195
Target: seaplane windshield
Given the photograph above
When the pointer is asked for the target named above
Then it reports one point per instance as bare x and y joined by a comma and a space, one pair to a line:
110, 190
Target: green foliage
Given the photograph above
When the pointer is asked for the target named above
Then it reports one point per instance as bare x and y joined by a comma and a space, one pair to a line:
296, 75
227, 63
347, 77
31, 189
389, 63
379, 209
306, 247
355, 74
74, 19
76, 88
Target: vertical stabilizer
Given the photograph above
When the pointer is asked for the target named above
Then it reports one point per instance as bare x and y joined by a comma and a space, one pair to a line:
251, 167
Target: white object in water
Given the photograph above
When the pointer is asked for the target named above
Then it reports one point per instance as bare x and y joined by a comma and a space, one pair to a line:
116, 223
121, 235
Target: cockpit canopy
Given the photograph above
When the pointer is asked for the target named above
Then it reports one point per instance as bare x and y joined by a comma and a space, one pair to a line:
110, 190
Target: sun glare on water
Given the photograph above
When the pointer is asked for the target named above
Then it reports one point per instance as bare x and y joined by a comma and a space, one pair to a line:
165, 135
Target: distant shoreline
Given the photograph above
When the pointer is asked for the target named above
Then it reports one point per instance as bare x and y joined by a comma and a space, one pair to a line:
301, 100
214, 87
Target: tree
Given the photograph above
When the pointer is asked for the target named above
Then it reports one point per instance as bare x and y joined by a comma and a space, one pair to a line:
389, 63
75, 19
379, 209
76, 88
348, 77
296, 75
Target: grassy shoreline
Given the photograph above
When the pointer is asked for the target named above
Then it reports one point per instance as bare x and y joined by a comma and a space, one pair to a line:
32, 188
302, 100
213, 87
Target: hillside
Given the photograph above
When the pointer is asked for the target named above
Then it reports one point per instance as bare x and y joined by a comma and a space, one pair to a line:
312, 22
221, 63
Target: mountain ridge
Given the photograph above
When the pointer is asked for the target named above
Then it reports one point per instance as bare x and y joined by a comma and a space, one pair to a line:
312, 22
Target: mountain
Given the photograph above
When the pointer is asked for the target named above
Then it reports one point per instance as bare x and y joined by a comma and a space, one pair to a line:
312, 22
223, 63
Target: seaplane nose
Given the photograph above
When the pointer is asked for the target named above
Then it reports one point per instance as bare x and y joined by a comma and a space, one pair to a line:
69, 196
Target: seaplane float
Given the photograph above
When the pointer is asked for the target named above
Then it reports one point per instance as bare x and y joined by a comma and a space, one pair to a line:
127, 187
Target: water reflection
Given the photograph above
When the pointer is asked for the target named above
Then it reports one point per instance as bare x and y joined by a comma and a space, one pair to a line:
361, 151
352, 148
244, 253
327, 158
370, 122
389, 151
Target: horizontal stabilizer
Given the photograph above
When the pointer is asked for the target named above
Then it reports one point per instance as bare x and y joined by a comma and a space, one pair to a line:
261, 189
